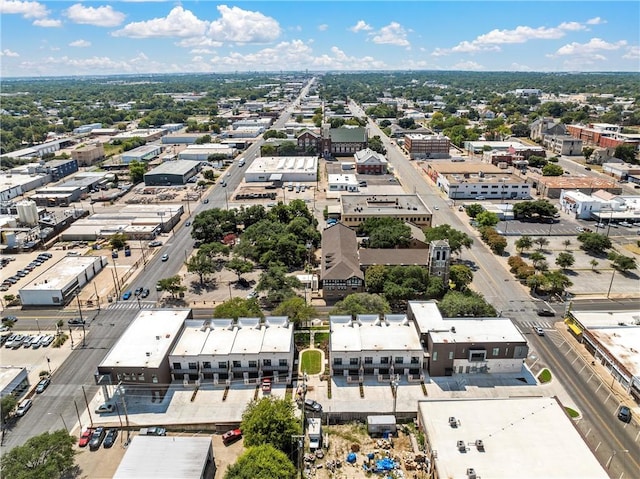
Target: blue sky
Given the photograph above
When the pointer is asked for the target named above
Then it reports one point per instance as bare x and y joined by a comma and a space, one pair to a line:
43, 38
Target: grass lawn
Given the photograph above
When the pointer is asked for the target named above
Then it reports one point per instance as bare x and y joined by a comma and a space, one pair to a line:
544, 376
311, 362
572, 412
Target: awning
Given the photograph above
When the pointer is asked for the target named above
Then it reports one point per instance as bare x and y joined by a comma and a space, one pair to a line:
573, 327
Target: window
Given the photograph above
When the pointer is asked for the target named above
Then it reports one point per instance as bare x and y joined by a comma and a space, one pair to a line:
353, 361
237, 364
415, 359
384, 360
266, 362
177, 366
477, 355
119, 376
337, 361
450, 355
435, 356
495, 352
222, 364
140, 376
368, 360
193, 365
127, 377
154, 379
206, 364
253, 364
282, 362
399, 360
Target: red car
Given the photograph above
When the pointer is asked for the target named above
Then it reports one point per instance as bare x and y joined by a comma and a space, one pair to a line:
231, 436
85, 437
266, 386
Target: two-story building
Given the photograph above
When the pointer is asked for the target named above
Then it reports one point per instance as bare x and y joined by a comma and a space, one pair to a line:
369, 162
343, 141
341, 274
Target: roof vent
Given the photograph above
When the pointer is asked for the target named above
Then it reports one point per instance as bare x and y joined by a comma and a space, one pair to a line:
471, 473
480, 445
148, 354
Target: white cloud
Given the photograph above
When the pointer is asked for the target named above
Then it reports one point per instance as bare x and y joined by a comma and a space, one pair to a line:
104, 16
26, 9
137, 64
520, 68
323, 28
595, 21
471, 47
243, 26
589, 48
199, 42
80, 44
633, 53
178, 23
392, 34
201, 51
361, 26
8, 53
468, 65
47, 23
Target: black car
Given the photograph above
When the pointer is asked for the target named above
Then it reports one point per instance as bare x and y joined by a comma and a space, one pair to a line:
145, 293
97, 438
311, 405
110, 438
75, 321
624, 414
139, 291
546, 312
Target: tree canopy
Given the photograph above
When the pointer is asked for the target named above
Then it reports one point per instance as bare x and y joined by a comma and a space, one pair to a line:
467, 303
385, 232
296, 309
238, 308
261, 462
457, 239
536, 209
361, 303
49, 455
270, 420
594, 243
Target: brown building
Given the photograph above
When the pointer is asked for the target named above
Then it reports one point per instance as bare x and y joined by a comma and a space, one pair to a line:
369, 162
343, 141
309, 142
408, 208
89, 154
341, 274
427, 146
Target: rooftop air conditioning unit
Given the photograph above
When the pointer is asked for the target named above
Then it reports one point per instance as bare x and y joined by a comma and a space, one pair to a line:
471, 473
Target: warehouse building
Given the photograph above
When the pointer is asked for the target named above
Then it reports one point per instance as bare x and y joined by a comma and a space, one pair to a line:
171, 173
282, 168
407, 208
204, 151
143, 153
57, 285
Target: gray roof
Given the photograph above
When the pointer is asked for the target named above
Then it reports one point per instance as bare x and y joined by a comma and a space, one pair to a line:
394, 257
348, 135
178, 167
340, 253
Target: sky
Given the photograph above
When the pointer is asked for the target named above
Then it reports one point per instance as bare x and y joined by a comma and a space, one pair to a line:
60, 38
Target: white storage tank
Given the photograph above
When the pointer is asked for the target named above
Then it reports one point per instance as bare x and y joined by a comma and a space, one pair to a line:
28, 212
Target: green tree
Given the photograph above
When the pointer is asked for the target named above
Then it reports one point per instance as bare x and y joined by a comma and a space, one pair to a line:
541, 241
468, 303
239, 266
173, 285
202, 265
587, 151
621, 262
552, 170
238, 308
554, 282
49, 455
436, 288
626, 152
537, 209
566, 243
270, 420
261, 462
118, 240
137, 170
375, 143
277, 284
487, 218
361, 303
385, 232
474, 210
375, 277
524, 243
461, 276
536, 257
7, 405
565, 260
594, 243
594, 263
457, 239
296, 309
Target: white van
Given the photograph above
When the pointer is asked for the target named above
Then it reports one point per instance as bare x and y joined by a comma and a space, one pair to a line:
23, 407
241, 162
35, 342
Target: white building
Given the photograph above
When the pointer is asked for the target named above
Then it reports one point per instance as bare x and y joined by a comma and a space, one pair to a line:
57, 285
204, 151
142, 153
285, 168
508, 438
370, 345
504, 186
343, 182
225, 350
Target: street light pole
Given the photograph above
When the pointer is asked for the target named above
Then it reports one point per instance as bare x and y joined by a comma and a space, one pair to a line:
611, 283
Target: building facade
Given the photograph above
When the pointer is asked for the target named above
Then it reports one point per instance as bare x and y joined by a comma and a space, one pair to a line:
421, 147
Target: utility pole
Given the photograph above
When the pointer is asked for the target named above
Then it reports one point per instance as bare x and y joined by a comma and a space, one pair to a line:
86, 401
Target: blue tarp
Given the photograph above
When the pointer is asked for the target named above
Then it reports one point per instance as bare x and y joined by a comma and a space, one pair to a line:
351, 458
385, 464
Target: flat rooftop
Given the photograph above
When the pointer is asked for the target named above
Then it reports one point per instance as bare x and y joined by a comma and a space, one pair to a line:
382, 204
284, 164
8, 374
481, 330
371, 333
447, 167
503, 177
522, 437
167, 457
146, 342
178, 167
63, 272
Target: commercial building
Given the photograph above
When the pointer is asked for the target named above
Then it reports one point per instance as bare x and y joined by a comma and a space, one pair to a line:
181, 138
530, 437
225, 350
86, 128
408, 208
204, 151
371, 345
604, 135
484, 186
143, 153
57, 285
552, 186
146, 134
369, 162
140, 356
38, 151
171, 173
421, 146
563, 145
467, 345
282, 168
613, 339
622, 171
342, 182
87, 155
14, 380
164, 457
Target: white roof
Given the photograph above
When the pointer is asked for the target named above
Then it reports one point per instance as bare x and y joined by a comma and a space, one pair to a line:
146, 341
165, 457
523, 438
63, 272
481, 330
371, 333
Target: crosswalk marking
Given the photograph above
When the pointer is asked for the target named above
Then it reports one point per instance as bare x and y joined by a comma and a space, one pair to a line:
535, 324
134, 305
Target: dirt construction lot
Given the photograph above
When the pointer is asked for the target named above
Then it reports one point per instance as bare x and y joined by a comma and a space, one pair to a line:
353, 438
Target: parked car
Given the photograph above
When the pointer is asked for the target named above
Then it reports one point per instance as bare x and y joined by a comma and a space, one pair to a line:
110, 437
106, 407
126, 295
139, 291
155, 243
252, 295
624, 414
313, 406
75, 321
23, 407
47, 340
145, 293
153, 431
96, 438
546, 312
232, 436
188, 223
266, 385
42, 385
539, 331
85, 437
7, 319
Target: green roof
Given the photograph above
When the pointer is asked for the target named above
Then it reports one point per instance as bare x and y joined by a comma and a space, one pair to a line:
348, 135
